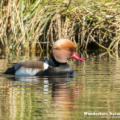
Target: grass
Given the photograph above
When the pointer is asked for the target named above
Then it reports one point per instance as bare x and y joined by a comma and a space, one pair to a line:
26, 25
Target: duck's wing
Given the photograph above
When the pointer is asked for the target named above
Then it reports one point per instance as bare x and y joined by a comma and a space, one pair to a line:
30, 68
27, 68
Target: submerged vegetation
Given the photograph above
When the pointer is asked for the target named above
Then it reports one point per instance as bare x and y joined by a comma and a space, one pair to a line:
27, 24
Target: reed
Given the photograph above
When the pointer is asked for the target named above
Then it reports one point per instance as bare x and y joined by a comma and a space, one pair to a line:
27, 25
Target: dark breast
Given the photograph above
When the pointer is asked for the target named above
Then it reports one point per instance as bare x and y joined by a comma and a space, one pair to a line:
62, 69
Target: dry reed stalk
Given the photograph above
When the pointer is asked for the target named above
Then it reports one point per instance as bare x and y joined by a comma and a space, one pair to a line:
27, 23
98, 43
65, 28
58, 23
88, 37
51, 29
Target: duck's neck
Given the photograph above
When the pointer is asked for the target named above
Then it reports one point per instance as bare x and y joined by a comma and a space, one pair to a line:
56, 62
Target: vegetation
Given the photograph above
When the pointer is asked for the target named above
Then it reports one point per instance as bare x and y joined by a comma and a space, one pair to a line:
27, 24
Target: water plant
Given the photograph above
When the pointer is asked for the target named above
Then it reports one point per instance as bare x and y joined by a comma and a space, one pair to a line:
29, 24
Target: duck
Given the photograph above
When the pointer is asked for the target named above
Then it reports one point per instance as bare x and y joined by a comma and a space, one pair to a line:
62, 50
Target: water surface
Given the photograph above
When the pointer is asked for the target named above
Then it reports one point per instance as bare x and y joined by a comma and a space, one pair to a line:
93, 92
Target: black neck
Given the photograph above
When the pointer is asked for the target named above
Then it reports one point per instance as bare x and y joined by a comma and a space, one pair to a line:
56, 62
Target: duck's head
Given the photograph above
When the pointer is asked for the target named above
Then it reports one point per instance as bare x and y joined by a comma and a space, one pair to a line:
63, 50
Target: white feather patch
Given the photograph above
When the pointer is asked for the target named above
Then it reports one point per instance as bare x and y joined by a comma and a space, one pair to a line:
26, 72
46, 65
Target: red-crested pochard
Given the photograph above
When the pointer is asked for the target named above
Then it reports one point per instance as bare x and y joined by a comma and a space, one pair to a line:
62, 50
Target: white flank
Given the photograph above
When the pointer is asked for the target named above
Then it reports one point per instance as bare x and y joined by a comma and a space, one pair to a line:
26, 71
46, 65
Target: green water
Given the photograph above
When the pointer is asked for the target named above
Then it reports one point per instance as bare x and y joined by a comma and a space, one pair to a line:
93, 93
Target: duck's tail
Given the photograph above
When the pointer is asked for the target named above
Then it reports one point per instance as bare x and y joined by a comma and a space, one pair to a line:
10, 71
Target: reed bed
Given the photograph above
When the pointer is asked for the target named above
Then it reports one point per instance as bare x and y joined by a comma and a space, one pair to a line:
31, 24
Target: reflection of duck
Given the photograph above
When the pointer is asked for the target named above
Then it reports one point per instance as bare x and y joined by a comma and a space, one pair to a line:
62, 95
62, 50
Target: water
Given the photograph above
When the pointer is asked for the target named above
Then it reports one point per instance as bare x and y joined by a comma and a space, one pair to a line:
92, 93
